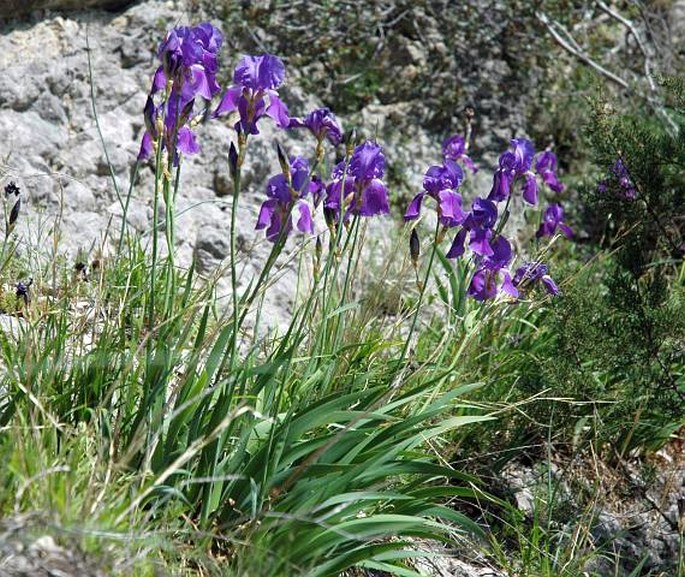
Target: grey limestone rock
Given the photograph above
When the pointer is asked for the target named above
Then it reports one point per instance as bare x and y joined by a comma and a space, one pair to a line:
22, 8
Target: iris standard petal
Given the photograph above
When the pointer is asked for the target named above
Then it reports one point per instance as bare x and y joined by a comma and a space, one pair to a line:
263, 72
367, 161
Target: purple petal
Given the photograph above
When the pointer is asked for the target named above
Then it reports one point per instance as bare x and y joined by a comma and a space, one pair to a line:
450, 210
414, 208
454, 147
375, 199
200, 82
186, 142
299, 171
158, 81
145, 147
367, 161
469, 164
265, 214
523, 152
483, 285
501, 253
305, 222
530, 189
265, 72
278, 111
550, 285
457, 249
483, 214
501, 185
229, 101
480, 241
278, 189
508, 286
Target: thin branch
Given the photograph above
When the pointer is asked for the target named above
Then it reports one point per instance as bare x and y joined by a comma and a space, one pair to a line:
570, 45
641, 45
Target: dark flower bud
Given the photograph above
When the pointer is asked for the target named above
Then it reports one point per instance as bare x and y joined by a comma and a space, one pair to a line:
11, 188
283, 159
150, 117
318, 248
318, 251
14, 214
186, 112
233, 160
414, 247
329, 215
349, 139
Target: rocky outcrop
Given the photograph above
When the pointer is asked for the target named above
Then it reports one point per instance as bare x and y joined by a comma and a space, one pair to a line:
21, 8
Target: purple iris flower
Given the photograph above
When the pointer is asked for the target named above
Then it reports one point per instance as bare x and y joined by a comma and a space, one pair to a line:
362, 192
478, 223
322, 123
516, 164
486, 283
454, 148
441, 183
546, 167
189, 60
285, 202
626, 185
551, 220
493, 275
532, 272
188, 70
626, 188
253, 94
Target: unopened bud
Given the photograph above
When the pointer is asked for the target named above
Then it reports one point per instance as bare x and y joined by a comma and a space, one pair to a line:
318, 250
14, 214
350, 139
414, 247
186, 112
150, 117
329, 215
233, 160
283, 160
